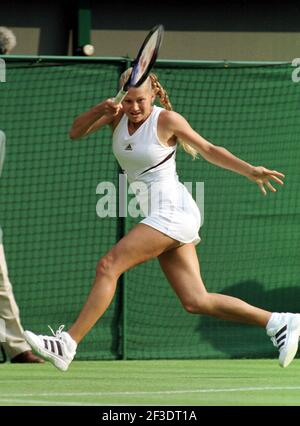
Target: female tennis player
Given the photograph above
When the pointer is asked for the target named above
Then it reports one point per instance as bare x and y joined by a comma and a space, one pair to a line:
145, 139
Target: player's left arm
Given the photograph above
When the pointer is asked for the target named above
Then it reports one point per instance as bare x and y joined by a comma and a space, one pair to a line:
218, 155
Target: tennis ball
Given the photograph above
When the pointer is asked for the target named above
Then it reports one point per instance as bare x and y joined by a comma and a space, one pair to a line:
88, 49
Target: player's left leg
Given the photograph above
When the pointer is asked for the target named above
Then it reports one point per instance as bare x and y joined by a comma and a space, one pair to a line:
181, 267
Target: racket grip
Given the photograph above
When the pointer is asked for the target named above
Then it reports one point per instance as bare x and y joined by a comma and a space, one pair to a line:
120, 96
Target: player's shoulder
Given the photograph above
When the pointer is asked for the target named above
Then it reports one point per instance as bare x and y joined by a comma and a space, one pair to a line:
169, 116
171, 119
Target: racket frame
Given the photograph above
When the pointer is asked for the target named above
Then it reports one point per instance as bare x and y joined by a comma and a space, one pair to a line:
123, 92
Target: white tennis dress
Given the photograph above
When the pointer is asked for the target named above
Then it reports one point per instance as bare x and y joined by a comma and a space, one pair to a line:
151, 171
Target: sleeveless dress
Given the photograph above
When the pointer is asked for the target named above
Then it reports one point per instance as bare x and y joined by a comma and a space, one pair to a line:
151, 172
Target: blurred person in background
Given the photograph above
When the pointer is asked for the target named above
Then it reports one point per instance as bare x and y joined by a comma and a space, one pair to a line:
14, 344
8, 41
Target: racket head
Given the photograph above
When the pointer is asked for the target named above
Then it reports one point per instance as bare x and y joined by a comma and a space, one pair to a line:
146, 57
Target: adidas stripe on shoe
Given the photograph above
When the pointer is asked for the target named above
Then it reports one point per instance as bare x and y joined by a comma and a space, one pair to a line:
59, 349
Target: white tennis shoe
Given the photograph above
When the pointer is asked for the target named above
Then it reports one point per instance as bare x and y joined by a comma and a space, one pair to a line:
284, 330
59, 349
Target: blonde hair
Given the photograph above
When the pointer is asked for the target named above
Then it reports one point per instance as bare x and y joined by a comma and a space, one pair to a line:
164, 100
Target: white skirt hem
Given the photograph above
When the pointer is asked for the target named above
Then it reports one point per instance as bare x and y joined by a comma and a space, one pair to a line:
147, 221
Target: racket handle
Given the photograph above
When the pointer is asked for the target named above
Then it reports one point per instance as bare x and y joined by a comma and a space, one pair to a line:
120, 96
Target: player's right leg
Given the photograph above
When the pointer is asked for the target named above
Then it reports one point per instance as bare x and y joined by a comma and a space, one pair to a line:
140, 244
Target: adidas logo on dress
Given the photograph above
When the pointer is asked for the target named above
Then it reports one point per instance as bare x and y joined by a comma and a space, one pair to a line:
128, 148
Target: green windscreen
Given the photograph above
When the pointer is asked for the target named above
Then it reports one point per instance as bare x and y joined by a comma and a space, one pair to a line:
53, 236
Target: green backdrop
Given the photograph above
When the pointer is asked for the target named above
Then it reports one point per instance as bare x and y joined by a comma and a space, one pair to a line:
53, 236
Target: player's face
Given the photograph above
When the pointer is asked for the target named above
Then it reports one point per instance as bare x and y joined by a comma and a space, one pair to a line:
137, 104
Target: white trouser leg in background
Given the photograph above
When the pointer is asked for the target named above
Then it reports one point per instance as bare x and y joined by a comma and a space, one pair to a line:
9, 313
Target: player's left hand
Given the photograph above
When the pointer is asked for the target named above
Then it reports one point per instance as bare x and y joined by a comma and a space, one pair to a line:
262, 177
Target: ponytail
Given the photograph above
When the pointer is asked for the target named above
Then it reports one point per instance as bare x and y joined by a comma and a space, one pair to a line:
165, 102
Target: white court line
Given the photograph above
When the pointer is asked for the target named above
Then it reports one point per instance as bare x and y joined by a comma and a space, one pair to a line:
170, 392
23, 400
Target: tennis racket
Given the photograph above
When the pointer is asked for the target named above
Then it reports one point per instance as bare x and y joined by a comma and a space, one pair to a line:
144, 61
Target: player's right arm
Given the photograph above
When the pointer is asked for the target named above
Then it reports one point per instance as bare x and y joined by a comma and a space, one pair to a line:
107, 112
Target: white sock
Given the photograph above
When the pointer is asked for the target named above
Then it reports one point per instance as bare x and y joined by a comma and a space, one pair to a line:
72, 345
274, 321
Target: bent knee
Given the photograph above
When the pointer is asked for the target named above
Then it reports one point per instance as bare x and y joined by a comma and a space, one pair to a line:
107, 266
199, 305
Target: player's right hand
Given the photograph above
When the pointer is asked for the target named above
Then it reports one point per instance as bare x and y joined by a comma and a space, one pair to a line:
111, 109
